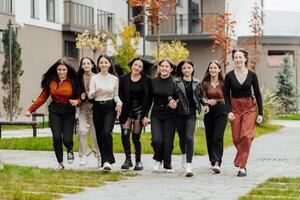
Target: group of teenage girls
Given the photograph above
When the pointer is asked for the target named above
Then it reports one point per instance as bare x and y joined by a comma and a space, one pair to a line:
174, 96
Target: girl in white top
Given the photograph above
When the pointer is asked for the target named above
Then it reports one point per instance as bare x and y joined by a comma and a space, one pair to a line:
104, 88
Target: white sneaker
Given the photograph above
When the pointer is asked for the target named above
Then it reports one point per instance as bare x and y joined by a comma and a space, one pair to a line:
83, 161
183, 161
157, 165
216, 168
169, 170
98, 162
106, 166
188, 170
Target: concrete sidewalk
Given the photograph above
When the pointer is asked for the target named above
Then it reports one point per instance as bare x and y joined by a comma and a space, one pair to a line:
271, 156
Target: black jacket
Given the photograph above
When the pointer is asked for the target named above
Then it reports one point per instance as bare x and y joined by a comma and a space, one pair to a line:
183, 104
124, 85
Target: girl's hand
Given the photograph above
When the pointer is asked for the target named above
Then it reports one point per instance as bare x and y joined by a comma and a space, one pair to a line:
205, 109
173, 104
231, 116
212, 102
28, 114
259, 119
119, 110
145, 121
83, 96
73, 102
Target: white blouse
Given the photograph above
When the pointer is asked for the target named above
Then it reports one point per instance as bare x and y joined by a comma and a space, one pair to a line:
110, 86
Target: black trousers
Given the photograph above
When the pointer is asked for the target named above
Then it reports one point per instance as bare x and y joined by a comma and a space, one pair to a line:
215, 123
104, 116
62, 119
163, 132
186, 132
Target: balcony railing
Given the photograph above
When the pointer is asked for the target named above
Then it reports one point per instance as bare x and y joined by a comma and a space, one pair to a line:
105, 21
6, 6
183, 24
77, 16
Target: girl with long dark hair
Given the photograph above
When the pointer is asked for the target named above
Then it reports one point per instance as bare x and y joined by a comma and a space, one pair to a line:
216, 119
241, 104
163, 115
134, 91
190, 98
87, 69
104, 88
62, 84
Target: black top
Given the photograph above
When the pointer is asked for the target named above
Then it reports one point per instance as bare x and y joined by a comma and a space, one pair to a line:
136, 91
189, 95
233, 88
162, 91
124, 94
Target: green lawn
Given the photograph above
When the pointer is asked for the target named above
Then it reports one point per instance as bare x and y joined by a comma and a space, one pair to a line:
295, 116
275, 188
24, 183
45, 143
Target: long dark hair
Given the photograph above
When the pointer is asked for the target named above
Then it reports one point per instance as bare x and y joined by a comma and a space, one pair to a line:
51, 74
80, 71
147, 66
111, 69
179, 67
173, 66
243, 51
207, 76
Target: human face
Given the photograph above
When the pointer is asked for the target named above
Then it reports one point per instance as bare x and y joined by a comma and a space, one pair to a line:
187, 70
62, 71
165, 69
104, 65
214, 70
239, 59
86, 65
137, 67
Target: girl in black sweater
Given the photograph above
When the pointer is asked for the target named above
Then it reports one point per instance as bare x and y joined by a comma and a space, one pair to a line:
134, 92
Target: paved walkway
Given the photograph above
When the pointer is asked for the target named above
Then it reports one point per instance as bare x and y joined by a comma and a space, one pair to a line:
271, 156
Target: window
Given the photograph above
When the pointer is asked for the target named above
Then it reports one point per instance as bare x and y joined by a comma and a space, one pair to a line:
6, 6
70, 49
34, 9
1, 43
179, 3
179, 24
105, 20
275, 57
51, 10
139, 27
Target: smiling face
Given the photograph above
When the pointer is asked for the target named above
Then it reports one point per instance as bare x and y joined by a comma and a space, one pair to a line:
137, 67
239, 59
86, 65
104, 64
165, 69
62, 71
187, 70
214, 70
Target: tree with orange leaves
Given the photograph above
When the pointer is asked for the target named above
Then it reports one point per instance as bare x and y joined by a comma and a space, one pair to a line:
253, 44
220, 28
154, 11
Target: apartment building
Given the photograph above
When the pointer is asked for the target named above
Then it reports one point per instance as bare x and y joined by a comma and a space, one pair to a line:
47, 30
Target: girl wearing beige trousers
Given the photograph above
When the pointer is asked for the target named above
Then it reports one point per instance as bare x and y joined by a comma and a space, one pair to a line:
86, 70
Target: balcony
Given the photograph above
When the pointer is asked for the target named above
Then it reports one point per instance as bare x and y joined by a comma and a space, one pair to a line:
77, 17
6, 7
105, 21
182, 27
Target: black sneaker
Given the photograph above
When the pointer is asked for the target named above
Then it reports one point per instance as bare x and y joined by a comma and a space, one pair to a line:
242, 172
70, 157
127, 164
138, 166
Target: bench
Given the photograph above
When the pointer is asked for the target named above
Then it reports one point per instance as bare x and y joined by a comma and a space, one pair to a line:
35, 115
19, 123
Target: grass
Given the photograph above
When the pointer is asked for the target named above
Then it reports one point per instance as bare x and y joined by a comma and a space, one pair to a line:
295, 116
20, 127
33, 183
45, 143
275, 188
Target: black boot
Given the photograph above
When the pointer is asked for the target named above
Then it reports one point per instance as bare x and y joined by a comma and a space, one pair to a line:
127, 164
138, 151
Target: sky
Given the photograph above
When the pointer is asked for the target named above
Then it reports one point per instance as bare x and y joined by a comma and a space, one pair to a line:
282, 5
